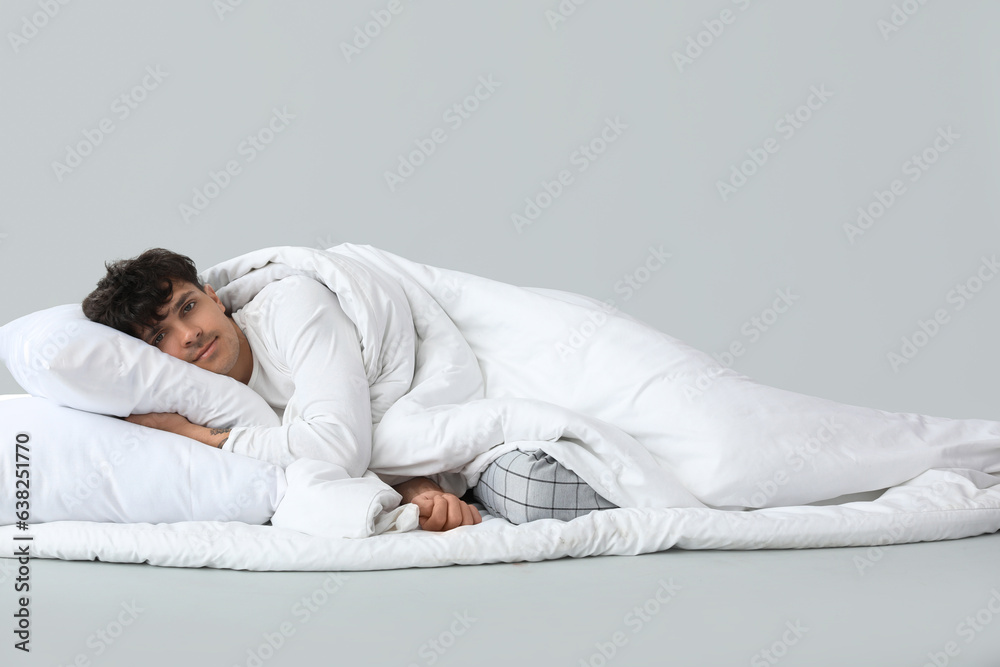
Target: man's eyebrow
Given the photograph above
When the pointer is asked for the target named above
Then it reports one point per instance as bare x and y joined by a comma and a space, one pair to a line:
177, 306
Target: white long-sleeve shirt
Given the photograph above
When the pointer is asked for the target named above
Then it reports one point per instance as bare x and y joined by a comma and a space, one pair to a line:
307, 365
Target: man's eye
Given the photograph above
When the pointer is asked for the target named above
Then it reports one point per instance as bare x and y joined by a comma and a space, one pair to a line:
186, 308
157, 339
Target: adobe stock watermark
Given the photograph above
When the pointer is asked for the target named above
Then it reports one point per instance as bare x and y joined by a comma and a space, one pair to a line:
257, 494
629, 284
753, 329
33, 23
432, 650
105, 637
926, 330
49, 350
121, 107
562, 12
101, 471
424, 312
811, 444
773, 654
897, 526
224, 7
787, 126
326, 242
697, 43
635, 619
898, 17
581, 158
455, 116
302, 611
968, 629
915, 166
249, 148
364, 34
446, 291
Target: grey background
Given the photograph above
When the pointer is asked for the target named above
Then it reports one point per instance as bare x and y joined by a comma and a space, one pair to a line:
321, 182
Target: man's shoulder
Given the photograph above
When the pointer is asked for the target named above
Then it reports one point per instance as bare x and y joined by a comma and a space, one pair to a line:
293, 312
293, 288
294, 297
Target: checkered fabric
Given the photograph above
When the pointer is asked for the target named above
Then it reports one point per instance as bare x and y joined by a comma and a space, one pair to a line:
524, 486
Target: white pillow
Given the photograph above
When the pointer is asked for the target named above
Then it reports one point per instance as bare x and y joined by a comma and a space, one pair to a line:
61, 355
90, 467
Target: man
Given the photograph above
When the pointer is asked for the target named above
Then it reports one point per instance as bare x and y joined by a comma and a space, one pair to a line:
293, 344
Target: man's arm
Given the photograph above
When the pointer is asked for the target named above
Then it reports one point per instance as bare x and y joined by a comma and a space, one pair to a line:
329, 414
328, 417
216, 437
439, 510
175, 423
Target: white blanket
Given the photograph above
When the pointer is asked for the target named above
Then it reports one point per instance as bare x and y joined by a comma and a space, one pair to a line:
463, 368
938, 505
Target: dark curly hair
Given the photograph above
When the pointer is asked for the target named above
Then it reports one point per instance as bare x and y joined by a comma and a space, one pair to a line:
134, 290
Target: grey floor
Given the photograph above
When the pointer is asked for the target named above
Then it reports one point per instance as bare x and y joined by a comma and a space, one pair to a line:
896, 605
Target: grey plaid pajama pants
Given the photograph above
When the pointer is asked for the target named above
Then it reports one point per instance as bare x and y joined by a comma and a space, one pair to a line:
524, 486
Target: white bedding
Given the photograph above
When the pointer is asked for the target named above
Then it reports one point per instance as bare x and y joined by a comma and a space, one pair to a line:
938, 505
643, 418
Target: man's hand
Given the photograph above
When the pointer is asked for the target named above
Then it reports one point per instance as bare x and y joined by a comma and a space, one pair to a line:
440, 511
175, 423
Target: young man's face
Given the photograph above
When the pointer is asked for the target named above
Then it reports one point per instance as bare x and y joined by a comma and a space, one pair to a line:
196, 329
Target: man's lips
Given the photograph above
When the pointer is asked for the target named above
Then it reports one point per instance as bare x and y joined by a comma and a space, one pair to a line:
207, 350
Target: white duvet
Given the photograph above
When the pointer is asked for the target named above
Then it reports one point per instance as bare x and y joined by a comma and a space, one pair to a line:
463, 368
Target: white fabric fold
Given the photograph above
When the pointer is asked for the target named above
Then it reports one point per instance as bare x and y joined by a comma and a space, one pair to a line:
323, 500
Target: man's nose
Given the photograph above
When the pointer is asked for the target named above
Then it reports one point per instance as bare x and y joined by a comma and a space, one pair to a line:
190, 333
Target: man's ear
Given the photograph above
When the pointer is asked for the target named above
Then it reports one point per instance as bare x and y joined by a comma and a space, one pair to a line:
214, 297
